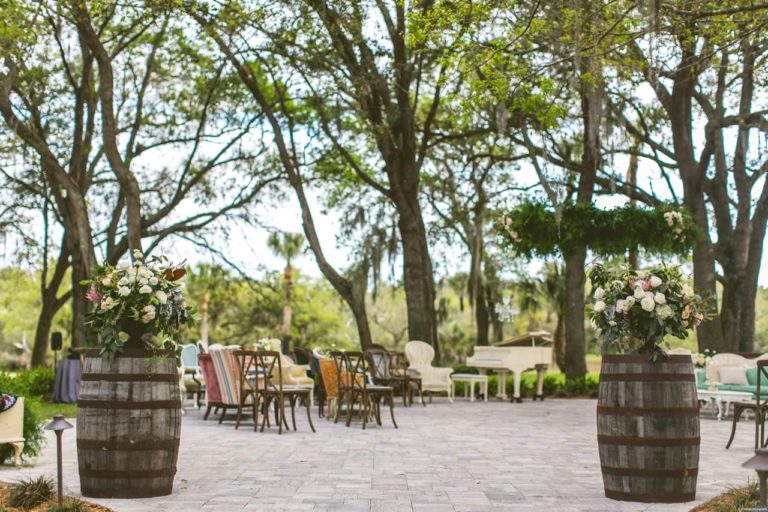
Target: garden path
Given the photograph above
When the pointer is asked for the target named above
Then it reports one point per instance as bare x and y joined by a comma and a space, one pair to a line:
460, 457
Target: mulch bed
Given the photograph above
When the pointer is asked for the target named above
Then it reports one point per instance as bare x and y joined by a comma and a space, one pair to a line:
4, 486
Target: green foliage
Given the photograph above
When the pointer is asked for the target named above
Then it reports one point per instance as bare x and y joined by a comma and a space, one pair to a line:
36, 387
555, 385
532, 229
69, 505
37, 382
734, 499
31, 492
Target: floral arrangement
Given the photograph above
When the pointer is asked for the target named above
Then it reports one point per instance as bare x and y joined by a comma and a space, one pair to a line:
263, 344
702, 359
141, 302
635, 310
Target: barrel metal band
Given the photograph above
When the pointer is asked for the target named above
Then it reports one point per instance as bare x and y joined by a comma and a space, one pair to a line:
645, 441
131, 377
128, 473
646, 359
648, 411
142, 492
661, 473
94, 444
647, 377
656, 497
150, 404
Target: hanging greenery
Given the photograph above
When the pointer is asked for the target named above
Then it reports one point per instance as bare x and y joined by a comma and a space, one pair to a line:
532, 229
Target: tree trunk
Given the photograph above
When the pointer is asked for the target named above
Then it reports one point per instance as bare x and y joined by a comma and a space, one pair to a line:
418, 280
481, 315
559, 342
50, 305
80, 306
575, 345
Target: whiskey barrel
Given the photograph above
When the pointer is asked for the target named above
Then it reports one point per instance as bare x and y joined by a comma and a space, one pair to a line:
648, 428
128, 424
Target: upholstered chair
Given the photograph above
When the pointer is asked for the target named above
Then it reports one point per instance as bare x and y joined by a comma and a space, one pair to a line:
433, 379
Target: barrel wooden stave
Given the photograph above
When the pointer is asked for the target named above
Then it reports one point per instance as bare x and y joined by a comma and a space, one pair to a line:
128, 432
648, 431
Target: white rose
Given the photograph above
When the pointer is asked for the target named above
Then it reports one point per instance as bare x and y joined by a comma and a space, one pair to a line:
664, 311
639, 292
145, 289
162, 297
630, 302
687, 292
153, 281
143, 281
655, 281
648, 304
599, 293
148, 314
124, 291
123, 281
660, 298
599, 306
137, 255
621, 306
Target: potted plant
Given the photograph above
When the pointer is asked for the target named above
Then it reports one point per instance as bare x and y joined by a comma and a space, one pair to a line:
129, 407
647, 412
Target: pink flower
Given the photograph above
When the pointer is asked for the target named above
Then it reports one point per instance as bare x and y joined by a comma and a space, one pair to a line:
646, 284
93, 295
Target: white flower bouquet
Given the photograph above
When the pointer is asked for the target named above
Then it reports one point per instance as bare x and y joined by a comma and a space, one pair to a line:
140, 304
635, 310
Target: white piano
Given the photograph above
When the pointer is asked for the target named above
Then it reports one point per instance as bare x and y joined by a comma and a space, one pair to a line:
516, 355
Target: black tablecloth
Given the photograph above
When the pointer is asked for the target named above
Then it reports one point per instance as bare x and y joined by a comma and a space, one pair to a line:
66, 385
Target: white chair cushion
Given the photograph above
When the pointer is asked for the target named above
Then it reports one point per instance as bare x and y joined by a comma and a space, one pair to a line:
733, 375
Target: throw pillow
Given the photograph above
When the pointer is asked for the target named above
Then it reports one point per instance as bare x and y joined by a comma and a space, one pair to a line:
733, 375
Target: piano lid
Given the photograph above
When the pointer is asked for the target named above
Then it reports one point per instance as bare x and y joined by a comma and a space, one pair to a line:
532, 339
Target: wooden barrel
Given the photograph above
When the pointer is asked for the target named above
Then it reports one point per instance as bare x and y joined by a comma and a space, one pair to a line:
648, 428
128, 424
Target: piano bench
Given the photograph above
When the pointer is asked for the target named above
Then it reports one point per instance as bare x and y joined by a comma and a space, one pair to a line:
470, 379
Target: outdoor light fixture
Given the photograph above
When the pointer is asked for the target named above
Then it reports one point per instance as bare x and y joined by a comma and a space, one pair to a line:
506, 311
759, 462
59, 425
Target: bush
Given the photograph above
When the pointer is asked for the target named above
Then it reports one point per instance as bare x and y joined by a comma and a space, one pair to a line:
37, 383
555, 385
69, 505
35, 386
30, 493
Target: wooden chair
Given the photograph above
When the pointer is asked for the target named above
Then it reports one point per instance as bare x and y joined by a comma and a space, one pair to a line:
272, 389
236, 391
379, 363
369, 396
330, 386
759, 407
249, 381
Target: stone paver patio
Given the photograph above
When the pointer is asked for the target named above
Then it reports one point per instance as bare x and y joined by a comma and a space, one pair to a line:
445, 457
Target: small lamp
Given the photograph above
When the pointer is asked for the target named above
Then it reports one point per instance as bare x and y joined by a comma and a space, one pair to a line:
59, 425
759, 462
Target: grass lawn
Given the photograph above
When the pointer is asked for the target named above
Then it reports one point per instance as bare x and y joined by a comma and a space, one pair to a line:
48, 410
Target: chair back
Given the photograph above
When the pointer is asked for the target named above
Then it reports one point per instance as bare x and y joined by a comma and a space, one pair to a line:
356, 370
329, 376
378, 362
302, 355
189, 354
227, 372
270, 362
419, 353
12, 423
248, 370
212, 392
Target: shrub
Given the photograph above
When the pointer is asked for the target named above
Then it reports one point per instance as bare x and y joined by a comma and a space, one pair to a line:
21, 385
69, 505
736, 498
37, 382
30, 493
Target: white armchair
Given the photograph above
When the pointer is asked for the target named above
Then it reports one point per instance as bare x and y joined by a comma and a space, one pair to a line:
433, 379
293, 374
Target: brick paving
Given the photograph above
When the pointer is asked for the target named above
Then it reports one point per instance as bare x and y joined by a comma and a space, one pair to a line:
460, 457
